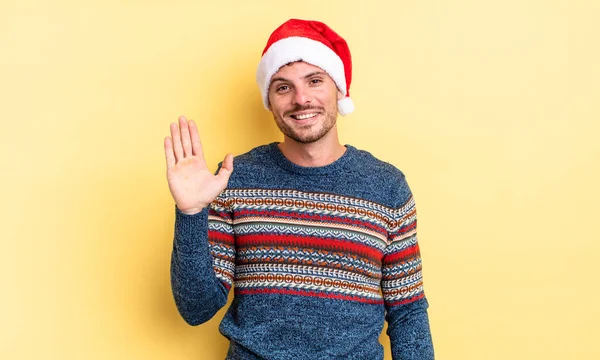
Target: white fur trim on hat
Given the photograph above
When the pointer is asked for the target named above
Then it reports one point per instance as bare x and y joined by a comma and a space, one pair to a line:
345, 106
296, 48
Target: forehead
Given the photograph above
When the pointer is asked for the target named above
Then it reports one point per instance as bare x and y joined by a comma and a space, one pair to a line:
296, 70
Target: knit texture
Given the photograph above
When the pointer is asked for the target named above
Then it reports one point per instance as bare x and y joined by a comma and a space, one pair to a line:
317, 256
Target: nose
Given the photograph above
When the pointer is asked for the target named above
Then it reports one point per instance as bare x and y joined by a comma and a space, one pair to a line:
302, 96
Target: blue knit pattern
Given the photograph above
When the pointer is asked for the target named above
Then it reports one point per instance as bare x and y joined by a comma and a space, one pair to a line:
318, 258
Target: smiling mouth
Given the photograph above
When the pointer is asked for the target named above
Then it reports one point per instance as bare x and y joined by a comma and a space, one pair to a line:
304, 116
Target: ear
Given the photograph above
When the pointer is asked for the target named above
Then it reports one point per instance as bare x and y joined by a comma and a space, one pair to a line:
340, 96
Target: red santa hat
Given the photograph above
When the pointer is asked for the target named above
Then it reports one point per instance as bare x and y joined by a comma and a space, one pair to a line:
312, 42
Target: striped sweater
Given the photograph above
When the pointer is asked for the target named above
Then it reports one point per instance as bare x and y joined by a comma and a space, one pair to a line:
318, 257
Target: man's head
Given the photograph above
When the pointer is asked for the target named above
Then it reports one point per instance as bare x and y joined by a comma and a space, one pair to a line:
303, 100
311, 42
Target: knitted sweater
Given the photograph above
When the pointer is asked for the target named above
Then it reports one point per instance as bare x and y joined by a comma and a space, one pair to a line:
317, 256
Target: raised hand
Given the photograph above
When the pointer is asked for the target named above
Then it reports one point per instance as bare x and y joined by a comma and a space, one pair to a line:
192, 185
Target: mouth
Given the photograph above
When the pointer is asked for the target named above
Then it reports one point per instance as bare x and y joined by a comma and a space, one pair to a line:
304, 116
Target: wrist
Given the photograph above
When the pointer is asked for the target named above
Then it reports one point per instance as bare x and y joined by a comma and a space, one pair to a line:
192, 211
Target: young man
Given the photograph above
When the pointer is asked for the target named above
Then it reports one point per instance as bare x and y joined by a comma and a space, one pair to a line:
318, 239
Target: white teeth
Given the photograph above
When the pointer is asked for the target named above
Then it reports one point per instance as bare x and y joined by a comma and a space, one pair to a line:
306, 116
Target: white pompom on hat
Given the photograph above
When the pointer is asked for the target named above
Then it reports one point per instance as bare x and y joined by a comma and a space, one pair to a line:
314, 43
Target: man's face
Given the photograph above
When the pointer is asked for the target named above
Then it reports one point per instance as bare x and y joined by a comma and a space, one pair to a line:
303, 100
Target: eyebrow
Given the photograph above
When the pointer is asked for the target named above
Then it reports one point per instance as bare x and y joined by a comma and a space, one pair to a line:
305, 77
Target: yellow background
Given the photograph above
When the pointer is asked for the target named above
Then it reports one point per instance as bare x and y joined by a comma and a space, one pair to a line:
491, 108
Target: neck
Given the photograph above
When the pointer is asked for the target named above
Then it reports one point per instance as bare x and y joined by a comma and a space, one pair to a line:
318, 153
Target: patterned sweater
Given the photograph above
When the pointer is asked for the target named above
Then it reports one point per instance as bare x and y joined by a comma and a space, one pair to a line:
317, 256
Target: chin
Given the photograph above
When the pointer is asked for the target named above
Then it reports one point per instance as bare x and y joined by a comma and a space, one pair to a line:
307, 138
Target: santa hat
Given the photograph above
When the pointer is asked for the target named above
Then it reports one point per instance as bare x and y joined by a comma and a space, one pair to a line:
312, 42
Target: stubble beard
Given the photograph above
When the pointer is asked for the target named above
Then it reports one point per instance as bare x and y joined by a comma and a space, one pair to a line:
307, 137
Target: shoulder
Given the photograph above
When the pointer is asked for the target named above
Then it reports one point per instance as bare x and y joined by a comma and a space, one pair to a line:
388, 179
369, 163
256, 155
252, 168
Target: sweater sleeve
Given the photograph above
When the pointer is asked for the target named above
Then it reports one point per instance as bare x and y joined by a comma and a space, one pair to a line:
202, 261
402, 288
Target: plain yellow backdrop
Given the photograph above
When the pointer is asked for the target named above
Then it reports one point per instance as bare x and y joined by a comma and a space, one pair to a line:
491, 108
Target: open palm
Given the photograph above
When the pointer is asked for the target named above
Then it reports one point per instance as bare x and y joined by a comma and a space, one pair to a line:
192, 185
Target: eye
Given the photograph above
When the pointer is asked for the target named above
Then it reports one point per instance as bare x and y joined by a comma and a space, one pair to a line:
282, 88
316, 81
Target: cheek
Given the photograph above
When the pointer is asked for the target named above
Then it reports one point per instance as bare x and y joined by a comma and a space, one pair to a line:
330, 94
279, 103
331, 98
276, 108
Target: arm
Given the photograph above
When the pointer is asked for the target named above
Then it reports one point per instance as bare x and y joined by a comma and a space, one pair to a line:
202, 262
203, 252
402, 287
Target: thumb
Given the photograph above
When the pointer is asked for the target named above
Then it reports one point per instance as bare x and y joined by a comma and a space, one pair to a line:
226, 169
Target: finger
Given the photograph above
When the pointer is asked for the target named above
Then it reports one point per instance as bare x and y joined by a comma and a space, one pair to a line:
185, 137
226, 169
169, 155
176, 137
196, 143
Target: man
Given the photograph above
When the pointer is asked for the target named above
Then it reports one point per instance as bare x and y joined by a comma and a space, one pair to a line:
318, 239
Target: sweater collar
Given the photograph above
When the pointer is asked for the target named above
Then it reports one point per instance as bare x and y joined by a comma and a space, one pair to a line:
333, 168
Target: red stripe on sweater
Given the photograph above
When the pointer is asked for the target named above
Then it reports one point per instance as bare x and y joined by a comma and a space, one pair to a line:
309, 242
407, 228
221, 214
407, 253
220, 237
405, 301
307, 293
